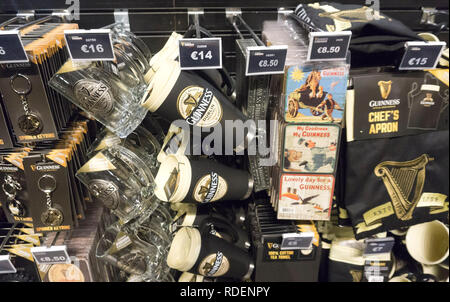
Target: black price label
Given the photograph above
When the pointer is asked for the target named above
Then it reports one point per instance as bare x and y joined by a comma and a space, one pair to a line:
326, 46
90, 45
295, 241
262, 60
52, 255
378, 246
421, 55
200, 53
6, 266
11, 48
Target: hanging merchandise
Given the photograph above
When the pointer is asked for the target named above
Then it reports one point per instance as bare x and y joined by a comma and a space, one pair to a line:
212, 143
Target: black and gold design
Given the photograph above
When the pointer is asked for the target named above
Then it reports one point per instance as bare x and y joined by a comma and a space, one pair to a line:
209, 188
385, 88
356, 275
214, 265
399, 179
198, 106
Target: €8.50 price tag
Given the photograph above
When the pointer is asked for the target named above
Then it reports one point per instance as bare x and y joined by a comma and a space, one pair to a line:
90, 45
328, 46
200, 53
11, 47
421, 55
262, 60
50, 255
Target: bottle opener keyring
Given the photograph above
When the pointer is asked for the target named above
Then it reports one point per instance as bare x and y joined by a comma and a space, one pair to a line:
11, 186
51, 216
30, 123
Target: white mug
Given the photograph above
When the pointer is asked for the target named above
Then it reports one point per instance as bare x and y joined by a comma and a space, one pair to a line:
428, 242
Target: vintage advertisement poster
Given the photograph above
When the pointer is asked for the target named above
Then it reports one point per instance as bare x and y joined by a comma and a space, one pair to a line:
305, 196
314, 95
310, 148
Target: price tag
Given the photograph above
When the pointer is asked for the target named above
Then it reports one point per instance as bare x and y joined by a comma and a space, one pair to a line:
328, 46
50, 255
263, 60
378, 246
200, 53
6, 266
421, 55
296, 241
11, 47
90, 45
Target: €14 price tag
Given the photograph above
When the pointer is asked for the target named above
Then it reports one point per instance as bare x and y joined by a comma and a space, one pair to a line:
50, 255
420, 55
296, 241
11, 47
262, 60
6, 266
328, 46
90, 45
200, 53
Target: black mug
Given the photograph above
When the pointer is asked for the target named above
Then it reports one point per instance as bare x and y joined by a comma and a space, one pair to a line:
200, 180
182, 95
208, 255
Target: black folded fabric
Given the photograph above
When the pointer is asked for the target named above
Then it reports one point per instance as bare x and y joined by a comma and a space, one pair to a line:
375, 41
396, 182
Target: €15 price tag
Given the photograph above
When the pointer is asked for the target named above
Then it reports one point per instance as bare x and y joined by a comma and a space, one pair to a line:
50, 255
328, 46
11, 47
90, 45
263, 60
200, 53
420, 55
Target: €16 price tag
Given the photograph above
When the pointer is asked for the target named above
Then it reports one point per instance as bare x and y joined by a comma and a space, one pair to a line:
200, 53
263, 60
90, 45
50, 255
328, 46
420, 55
11, 47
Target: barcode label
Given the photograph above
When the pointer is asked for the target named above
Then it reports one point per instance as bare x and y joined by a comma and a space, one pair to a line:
376, 279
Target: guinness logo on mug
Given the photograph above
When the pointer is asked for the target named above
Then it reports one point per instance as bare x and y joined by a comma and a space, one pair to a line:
106, 191
94, 96
198, 106
209, 188
214, 265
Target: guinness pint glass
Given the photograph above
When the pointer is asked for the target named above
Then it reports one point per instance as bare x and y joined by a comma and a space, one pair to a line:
182, 95
201, 180
100, 94
208, 255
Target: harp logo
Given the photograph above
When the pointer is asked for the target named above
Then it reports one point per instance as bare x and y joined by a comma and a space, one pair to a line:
385, 88
399, 179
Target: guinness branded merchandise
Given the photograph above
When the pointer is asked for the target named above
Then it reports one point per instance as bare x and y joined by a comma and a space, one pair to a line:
201, 141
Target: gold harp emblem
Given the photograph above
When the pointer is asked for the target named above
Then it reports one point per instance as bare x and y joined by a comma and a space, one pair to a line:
399, 178
385, 88
356, 275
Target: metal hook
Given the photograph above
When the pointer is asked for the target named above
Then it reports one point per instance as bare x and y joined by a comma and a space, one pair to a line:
196, 12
